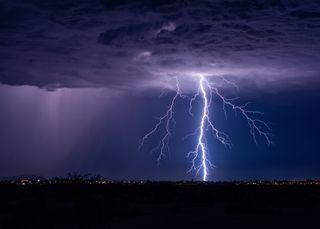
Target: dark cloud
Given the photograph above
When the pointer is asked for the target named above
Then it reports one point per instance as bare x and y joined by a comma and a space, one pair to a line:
100, 43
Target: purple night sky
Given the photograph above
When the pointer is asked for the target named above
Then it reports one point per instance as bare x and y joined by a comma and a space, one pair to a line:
80, 82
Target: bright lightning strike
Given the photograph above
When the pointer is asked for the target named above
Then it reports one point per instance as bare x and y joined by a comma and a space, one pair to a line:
200, 162
201, 145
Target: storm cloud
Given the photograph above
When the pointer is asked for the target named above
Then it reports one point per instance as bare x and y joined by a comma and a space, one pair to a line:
92, 72
137, 44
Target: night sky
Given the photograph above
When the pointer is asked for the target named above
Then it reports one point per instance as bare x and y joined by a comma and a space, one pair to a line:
80, 85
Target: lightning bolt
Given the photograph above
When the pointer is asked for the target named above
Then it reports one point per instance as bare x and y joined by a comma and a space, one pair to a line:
169, 120
201, 144
200, 163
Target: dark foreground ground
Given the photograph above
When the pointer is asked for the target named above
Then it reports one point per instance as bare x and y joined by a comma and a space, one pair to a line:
159, 205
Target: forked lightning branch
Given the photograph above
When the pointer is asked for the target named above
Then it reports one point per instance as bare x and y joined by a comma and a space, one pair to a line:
200, 163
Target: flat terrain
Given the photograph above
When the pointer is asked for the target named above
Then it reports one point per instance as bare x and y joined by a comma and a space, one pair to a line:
159, 205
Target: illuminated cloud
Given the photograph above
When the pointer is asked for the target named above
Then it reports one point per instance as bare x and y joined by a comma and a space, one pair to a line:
53, 44
143, 57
